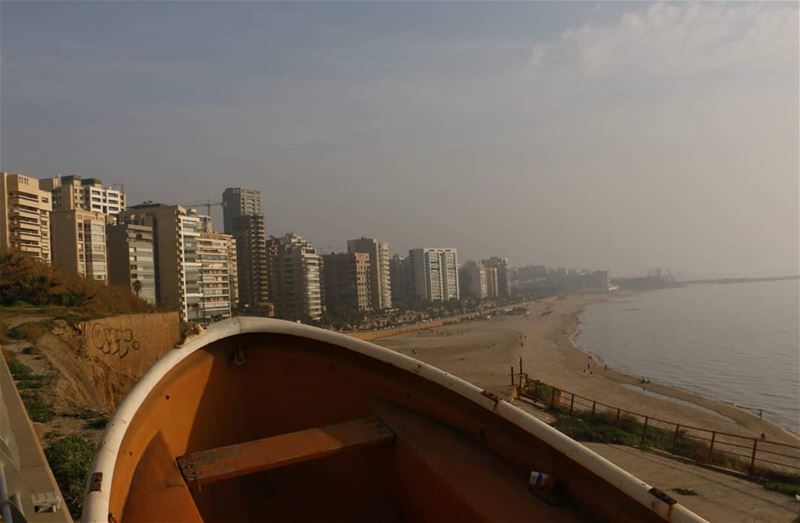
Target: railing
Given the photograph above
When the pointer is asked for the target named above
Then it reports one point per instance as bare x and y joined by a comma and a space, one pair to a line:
755, 456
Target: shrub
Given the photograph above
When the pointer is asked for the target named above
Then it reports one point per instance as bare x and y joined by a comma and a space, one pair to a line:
38, 410
70, 458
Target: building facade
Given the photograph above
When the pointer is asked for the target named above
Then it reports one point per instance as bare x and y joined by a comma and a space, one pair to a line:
215, 277
501, 283
347, 279
434, 274
402, 282
244, 221
380, 275
296, 274
176, 234
472, 281
25, 210
79, 243
131, 259
72, 192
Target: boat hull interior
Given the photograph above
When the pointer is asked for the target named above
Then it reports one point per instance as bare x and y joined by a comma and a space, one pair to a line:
402, 447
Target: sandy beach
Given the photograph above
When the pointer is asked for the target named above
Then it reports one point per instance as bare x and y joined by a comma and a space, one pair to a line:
483, 353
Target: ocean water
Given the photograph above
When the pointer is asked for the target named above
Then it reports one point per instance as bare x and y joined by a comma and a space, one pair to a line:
738, 343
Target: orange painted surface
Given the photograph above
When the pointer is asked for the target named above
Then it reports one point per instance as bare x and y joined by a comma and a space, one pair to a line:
451, 460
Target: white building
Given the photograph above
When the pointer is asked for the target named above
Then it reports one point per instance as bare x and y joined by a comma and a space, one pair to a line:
296, 278
72, 192
434, 273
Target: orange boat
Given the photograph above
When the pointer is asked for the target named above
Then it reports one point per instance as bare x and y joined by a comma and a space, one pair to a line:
267, 420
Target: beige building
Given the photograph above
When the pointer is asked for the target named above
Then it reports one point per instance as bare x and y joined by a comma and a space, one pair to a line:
218, 272
472, 281
79, 243
72, 192
131, 261
380, 270
25, 216
499, 274
347, 282
296, 274
176, 235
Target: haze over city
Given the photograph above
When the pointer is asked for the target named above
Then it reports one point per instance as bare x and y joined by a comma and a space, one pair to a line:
618, 136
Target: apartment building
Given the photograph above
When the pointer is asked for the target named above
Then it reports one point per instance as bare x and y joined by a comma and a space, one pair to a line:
296, 273
72, 192
380, 271
79, 243
176, 235
131, 258
500, 285
347, 278
434, 274
242, 219
472, 281
25, 210
402, 282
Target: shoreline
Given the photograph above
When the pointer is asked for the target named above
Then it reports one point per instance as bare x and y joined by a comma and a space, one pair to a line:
483, 351
738, 414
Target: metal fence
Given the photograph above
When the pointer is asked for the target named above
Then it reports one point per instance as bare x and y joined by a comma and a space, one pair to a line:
752, 455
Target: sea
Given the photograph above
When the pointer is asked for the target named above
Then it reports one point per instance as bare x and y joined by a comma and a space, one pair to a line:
735, 342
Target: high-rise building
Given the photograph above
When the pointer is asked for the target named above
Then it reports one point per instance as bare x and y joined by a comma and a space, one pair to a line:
402, 281
347, 282
131, 261
216, 272
380, 276
434, 274
244, 221
296, 272
72, 192
502, 287
25, 216
472, 281
79, 243
176, 233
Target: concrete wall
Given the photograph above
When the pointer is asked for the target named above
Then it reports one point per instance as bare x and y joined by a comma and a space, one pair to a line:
98, 361
131, 343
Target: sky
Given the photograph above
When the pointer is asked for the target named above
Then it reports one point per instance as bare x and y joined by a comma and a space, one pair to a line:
619, 136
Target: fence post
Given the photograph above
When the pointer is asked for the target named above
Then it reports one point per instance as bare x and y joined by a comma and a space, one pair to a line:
675, 437
571, 404
711, 446
535, 390
552, 397
512, 376
594, 406
520, 364
618, 411
644, 431
753, 458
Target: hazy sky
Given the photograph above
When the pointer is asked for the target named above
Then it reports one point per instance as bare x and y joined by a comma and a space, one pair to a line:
613, 135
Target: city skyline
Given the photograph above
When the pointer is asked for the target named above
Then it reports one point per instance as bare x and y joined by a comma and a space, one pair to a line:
535, 130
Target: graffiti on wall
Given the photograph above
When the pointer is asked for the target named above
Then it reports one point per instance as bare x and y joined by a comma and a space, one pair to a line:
113, 341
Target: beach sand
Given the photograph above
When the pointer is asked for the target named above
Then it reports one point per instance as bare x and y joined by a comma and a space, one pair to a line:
483, 352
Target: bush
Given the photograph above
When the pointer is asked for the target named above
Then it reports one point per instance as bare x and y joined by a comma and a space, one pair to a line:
70, 458
790, 489
38, 410
19, 370
32, 330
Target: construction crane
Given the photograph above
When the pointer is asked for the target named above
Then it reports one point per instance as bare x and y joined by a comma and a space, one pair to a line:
208, 204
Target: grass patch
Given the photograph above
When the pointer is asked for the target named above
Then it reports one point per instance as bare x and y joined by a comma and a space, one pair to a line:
69, 459
32, 330
30, 351
790, 489
685, 491
19, 370
38, 410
